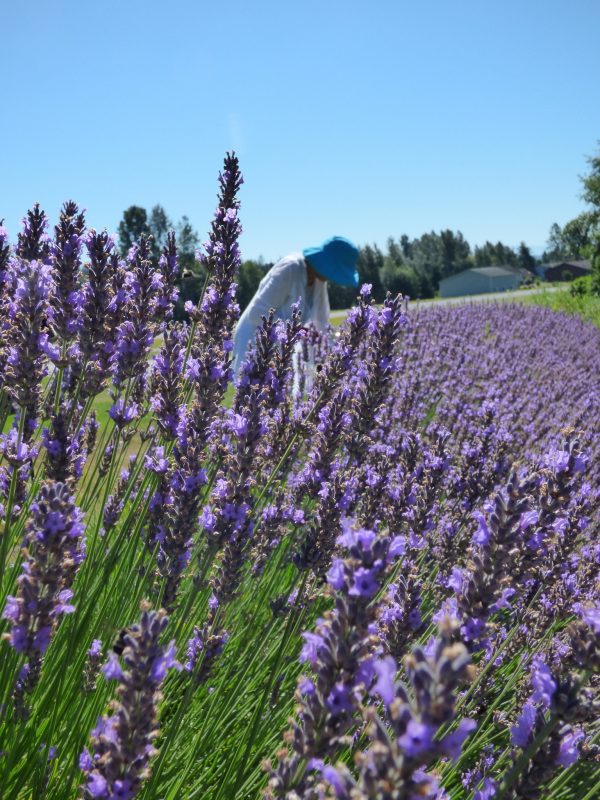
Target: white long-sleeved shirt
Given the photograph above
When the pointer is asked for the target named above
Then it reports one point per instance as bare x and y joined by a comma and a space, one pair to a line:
283, 285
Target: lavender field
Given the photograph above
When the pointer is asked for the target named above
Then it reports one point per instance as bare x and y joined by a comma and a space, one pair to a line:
375, 576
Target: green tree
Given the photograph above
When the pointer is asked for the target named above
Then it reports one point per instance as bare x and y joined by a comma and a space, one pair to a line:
554, 244
573, 241
131, 227
494, 255
455, 252
192, 275
596, 267
341, 296
370, 264
400, 279
159, 224
591, 186
187, 244
250, 275
428, 257
406, 246
396, 252
524, 258
577, 235
591, 195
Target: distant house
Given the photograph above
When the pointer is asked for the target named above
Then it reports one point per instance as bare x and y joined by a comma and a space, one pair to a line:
566, 270
481, 280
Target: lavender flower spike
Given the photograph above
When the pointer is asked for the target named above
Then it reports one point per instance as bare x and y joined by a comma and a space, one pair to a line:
27, 342
53, 549
408, 739
121, 744
66, 267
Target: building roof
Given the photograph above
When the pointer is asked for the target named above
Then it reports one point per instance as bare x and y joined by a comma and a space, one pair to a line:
489, 272
494, 272
582, 264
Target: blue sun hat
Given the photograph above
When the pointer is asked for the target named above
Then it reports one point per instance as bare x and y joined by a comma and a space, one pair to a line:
335, 260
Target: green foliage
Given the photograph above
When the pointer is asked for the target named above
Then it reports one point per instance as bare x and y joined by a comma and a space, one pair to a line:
591, 194
595, 276
495, 255
455, 252
341, 296
413, 267
370, 264
188, 242
401, 279
591, 185
572, 241
133, 225
251, 274
190, 287
581, 286
524, 258
159, 224
586, 306
580, 237
192, 275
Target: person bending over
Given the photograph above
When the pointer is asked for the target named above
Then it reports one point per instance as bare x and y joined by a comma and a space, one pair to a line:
298, 277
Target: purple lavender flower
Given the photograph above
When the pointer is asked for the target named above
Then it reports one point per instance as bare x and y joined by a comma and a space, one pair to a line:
203, 648
33, 241
218, 311
122, 744
521, 732
542, 682
569, 751
66, 268
26, 356
408, 740
165, 385
65, 443
53, 549
142, 312
99, 316
487, 791
590, 614
169, 269
123, 413
342, 654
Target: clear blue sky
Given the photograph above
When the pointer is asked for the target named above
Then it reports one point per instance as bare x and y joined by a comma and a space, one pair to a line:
366, 119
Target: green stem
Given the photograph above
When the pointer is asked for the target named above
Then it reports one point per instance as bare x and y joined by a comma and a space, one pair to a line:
524, 758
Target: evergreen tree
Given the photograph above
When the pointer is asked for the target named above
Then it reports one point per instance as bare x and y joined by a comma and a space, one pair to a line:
187, 244
192, 275
524, 258
370, 264
131, 227
159, 224
494, 255
395, 251
455, 252
406, 246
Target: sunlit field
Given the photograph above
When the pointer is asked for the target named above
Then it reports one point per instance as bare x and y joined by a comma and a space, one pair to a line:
367, 569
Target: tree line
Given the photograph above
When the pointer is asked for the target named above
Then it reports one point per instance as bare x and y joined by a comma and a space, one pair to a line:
413, 267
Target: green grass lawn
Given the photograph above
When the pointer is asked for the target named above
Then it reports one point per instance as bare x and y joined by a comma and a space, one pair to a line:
586, 306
